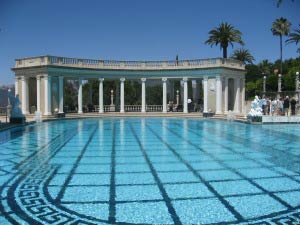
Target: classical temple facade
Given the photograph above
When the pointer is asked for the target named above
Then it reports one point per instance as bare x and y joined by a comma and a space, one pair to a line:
39, 81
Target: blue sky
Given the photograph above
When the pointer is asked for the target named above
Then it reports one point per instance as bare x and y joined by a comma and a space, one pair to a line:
136, 29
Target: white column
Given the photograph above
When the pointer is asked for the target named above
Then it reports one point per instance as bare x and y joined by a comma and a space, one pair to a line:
205, 94
219, 95
25, 99
122, 95
38, 93
143, 95
16, 86
279, 83
47, 94
80, 95
243, 96
237, 95
61, 94
226, 96
101, 108
185, 95
164, 80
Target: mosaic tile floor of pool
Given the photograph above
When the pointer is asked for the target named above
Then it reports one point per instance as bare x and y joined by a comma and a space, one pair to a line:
150, 171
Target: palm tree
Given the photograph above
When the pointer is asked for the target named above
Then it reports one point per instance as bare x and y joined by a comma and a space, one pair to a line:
281, 27
243, 55
265, 67
294, 37
224, 35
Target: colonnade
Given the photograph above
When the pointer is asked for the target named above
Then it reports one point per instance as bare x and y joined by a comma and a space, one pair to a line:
221, 94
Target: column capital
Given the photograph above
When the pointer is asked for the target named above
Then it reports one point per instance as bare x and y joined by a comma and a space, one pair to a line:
24, 78
164, 79
219, 77
143, 79
101, 79
38, 77
205, 78
46, 77
122, 79
185, 79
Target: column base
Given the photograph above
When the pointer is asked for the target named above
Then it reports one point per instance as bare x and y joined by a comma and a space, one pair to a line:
47, 114
122, 111
143, 111
164, 111
80, 112
219, 112
101, 111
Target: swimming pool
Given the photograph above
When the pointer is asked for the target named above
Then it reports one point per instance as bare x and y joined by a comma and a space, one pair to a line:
150, 171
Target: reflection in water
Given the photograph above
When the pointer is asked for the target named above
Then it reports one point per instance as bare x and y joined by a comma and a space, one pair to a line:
101, 131
122, 131
143, 130
164, 129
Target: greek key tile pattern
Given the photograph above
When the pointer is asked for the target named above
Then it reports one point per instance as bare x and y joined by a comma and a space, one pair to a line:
150, 171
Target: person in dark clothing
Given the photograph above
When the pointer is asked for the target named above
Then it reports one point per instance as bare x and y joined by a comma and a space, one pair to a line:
286, 105
293, 106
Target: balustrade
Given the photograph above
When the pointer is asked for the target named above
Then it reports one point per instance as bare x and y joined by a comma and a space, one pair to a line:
116, 64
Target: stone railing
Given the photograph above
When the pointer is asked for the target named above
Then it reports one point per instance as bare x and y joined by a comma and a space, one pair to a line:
130, 65
154, 108
128, 108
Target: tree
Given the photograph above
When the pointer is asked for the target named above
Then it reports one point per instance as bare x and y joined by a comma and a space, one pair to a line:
281, 27
243, 55
265, 67
224, 35
294, 37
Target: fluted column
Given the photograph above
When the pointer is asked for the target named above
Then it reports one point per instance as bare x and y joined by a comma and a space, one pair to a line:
38, 93
25, 95
61, 94
219, 95
164, 81
226, 96
47, 95
205, 94
185, 95
80, 95
122, 105
101, 108
237, 95
16, 86
143, 95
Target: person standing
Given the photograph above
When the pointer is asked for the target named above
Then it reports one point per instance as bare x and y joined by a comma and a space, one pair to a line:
273, 106
280, 107
293, 106
286, 106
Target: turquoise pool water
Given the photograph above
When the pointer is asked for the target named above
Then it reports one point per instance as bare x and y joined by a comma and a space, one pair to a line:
150, 171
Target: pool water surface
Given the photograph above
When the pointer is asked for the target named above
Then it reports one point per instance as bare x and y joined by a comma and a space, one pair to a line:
150, 171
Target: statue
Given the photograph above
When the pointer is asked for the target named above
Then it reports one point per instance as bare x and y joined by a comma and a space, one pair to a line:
255, 113
15, 115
